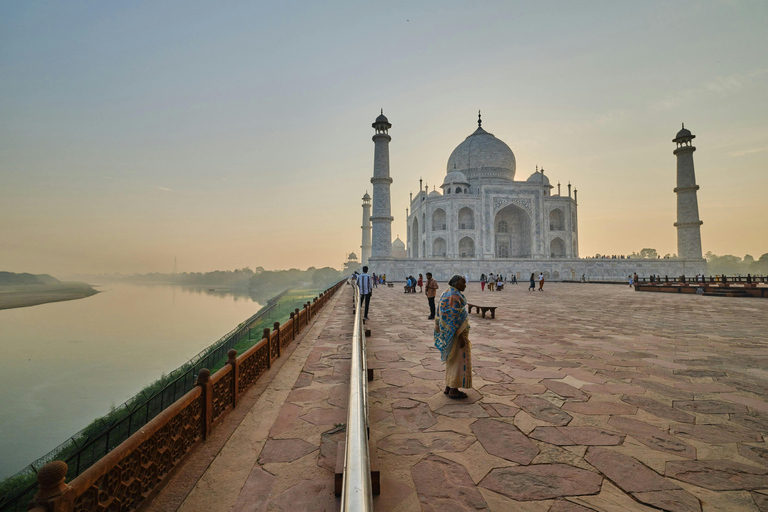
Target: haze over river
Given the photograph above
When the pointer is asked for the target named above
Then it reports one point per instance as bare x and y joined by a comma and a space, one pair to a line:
64, 364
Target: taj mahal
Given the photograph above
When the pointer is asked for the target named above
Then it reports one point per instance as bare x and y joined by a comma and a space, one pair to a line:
484, 220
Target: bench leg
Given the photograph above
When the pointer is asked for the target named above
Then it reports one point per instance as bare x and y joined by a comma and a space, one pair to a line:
483, 313
493, 313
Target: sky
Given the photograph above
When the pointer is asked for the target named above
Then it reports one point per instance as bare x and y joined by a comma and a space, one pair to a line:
237, 134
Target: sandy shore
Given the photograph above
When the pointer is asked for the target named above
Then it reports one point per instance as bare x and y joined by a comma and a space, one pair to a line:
32, 295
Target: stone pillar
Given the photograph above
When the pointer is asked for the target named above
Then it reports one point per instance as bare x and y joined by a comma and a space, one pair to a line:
366, 246
381, 217
688, 224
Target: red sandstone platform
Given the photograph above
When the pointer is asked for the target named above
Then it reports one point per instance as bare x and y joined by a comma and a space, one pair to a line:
587, 397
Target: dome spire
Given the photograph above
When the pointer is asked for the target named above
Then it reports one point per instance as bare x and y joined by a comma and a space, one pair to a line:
479, 120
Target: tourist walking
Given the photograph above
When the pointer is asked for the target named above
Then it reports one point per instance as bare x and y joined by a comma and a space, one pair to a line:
365, 283
431, 292
482, 282
420, 283
452, 338
532, 287
630, 280
541, 282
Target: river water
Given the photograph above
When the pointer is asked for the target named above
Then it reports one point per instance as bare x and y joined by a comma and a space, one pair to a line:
64, 364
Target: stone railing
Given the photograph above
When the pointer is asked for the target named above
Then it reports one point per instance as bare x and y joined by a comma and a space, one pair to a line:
137, 469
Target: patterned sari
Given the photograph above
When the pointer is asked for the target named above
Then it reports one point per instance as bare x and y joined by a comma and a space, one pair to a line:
451, 332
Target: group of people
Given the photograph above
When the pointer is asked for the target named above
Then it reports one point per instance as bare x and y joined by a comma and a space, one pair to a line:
540, 279
451, 331
495, 283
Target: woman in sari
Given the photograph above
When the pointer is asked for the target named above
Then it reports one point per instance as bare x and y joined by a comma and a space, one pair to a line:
452, 338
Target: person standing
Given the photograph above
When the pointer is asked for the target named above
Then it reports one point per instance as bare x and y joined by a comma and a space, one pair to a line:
365, 283
431, 292
452, 338
420, 283
532, 287
541, 281
482, 282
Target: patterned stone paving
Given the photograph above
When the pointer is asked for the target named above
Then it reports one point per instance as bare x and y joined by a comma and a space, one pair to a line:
587, 398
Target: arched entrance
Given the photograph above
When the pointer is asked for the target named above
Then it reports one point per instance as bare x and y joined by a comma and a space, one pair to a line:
557, 248
466, 247
513, 233
439, 248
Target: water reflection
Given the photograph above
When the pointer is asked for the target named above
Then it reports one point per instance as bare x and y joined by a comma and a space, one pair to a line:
66, 363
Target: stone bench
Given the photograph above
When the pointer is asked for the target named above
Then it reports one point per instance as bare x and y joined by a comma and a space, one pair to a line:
492, 309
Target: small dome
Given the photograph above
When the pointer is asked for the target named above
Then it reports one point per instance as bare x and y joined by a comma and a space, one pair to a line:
455, 177
684, 135
382, 119
538, 177
352, 256
366, 197
398, 244
434, 193
482, 155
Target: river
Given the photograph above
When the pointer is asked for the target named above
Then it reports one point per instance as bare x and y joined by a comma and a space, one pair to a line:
64, 364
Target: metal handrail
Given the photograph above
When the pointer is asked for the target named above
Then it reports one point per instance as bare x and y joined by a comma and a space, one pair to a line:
356, 493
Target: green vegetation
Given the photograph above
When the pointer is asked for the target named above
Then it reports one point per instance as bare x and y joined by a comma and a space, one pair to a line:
13, 279
733, 265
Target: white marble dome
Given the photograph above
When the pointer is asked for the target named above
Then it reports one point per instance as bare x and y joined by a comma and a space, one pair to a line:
398, 244
455, 177
538, 177
482, 155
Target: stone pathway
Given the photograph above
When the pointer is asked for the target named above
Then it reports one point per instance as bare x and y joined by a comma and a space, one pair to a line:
587, 397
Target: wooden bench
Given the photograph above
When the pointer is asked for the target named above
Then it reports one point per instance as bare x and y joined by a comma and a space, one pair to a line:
492, 309
391, 285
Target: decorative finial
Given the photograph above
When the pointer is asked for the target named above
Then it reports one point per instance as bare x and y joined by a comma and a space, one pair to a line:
542, 171
537, 168
479, 120
382, 111
683, 126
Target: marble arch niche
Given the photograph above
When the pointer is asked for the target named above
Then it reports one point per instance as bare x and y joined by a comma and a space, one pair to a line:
513, 233
439, 248
557, 248
466, 218
438, 220
556, 220
415, 238
466, 247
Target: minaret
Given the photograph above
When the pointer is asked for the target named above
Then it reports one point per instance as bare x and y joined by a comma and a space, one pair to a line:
366, 247
688, 223
381, 218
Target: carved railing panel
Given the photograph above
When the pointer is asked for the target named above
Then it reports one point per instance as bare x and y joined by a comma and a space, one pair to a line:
222, 392
286, 334
252, 365
142, 461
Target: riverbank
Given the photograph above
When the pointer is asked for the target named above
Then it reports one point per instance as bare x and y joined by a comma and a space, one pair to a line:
15, 296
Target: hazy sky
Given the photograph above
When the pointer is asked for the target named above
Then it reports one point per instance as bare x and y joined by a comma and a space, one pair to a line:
239, 133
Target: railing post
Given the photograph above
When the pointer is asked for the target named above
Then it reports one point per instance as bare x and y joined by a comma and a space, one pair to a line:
269, 347
53, 495
298, 326
276, 328
232, 361
293, 324
204, 381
